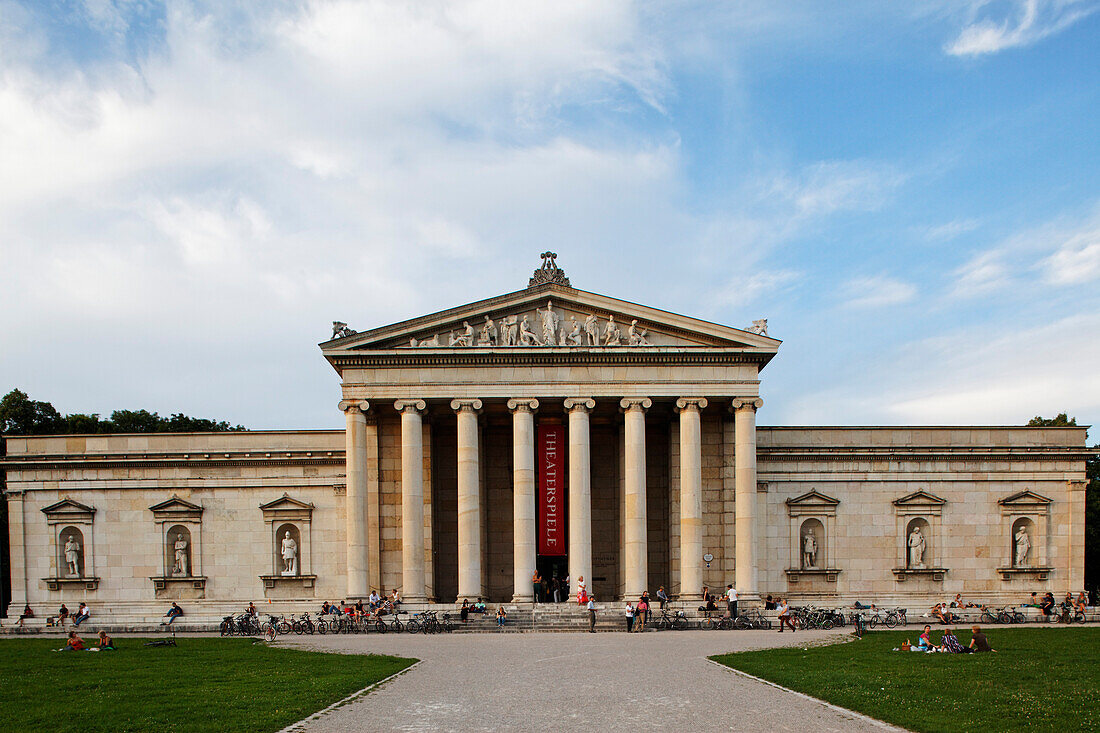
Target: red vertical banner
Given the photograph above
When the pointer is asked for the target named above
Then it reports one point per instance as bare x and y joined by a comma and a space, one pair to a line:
550, 454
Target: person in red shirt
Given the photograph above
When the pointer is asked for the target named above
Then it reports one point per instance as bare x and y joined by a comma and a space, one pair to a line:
74, 644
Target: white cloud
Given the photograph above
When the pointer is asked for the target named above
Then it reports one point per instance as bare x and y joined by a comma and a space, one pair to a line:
983, 273
746, 287
994, 27
838, 185
876, 292
1077, 259
952, 229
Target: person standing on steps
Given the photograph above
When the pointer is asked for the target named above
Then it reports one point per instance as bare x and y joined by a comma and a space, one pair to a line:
536, 583
731, 601
592, 614
629, 617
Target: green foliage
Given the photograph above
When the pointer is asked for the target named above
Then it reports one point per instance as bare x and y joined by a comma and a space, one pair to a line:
19, 415
1039, 679
201, 685
1061, 420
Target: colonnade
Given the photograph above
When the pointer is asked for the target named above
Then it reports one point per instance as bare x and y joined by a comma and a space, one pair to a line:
634, 546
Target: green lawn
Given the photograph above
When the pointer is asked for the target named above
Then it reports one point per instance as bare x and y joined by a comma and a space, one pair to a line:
202, 684
1039, 679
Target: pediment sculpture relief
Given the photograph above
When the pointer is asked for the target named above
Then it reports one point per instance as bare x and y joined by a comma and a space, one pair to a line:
547, 327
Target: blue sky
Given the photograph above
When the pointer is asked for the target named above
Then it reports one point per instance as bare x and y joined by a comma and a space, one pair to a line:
909, 192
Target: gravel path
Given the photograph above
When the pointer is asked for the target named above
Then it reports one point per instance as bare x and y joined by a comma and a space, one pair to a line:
576, 681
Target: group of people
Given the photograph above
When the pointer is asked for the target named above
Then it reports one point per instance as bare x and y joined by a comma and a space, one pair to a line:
63, 615
638, 614
376, 605
1049, 606
949, 643
75, 644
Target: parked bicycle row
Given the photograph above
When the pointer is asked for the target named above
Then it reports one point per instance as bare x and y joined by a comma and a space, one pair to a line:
247, 624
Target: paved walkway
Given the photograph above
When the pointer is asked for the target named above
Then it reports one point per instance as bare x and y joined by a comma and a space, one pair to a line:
575, 682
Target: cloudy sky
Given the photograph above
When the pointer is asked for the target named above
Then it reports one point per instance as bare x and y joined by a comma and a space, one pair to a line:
910, 192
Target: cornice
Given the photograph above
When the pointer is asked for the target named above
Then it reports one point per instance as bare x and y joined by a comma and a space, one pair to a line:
555, 356
921, 453
67, 461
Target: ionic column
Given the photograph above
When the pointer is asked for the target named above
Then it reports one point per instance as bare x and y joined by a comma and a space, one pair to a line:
580, 492
691, 496
523, 497
744, 486
355, 505
635, 530
412, 498
469, 499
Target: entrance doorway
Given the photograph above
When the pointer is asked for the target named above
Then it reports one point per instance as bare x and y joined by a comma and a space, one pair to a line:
552, 570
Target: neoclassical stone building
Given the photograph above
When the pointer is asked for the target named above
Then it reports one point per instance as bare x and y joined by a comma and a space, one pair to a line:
551, 429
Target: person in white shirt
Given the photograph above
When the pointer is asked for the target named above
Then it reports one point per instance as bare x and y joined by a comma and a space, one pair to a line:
784, 615
375, 599
629, 617
592, 614
731, 600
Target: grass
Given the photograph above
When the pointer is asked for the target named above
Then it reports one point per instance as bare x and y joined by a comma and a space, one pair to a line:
1039, 679
200, 685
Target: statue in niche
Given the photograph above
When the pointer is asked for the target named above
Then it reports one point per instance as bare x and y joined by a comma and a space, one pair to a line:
549, 320
612, 334
72, 556
488, 334
759, 326
509, 331
574, 337
527, 337
809, 549
1022, 546
592, 329
916, 548
636, 336
180, 548
433, 341
290, 555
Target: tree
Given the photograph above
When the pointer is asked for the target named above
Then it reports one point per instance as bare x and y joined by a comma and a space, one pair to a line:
1061, 420
20, 415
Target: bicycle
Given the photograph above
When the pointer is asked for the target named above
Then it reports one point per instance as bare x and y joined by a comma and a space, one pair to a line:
668, 620
858, 624
753, 620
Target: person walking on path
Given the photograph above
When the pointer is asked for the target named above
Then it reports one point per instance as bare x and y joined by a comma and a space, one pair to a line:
629, 617
592, 614
784, 615
731, 601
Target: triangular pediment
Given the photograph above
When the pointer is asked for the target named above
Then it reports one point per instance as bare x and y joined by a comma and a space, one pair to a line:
1024, 498
285, 502
176, 507
575, 315
813, 498
67, 508
922, 498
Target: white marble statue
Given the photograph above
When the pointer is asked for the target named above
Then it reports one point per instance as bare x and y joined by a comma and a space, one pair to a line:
592, 329
549, 320
574, 337
636, 336
72, 556
760, 326
527, 337
916, 548
509, 331
290, 555
612, 334
433, 341
1023, 547
180, 548
809, 550
488, 334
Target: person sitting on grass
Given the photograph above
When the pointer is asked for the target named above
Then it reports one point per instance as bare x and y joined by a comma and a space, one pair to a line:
950, 643
173, 613
501, 615
106, 643
978, 642
924, 642
74, 643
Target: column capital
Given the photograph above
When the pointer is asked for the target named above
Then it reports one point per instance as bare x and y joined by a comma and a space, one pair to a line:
691, 403
635, 403
463, 405
410, 405
742, 403
586, 404
350, 406
523, 404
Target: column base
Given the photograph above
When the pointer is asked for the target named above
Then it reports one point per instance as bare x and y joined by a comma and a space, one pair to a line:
520, 598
